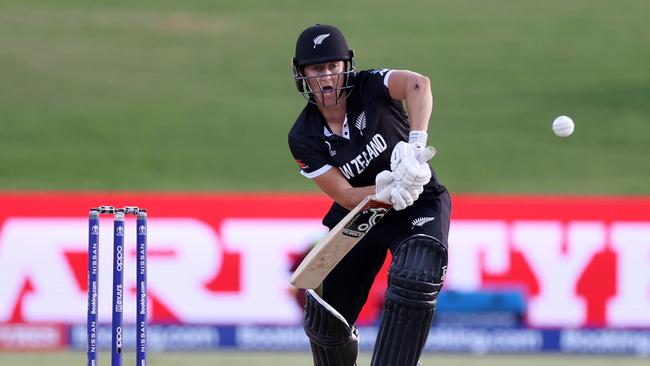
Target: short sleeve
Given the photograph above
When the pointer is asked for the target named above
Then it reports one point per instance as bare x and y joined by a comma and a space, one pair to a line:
309, 157
375, 83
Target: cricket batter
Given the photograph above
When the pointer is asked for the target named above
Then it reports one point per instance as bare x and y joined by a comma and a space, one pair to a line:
354, 139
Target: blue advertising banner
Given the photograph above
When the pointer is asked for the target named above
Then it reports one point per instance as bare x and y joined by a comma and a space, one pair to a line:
441, 339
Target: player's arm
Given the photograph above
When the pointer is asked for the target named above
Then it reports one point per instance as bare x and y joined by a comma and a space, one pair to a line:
409, 160
415, 90
334, 184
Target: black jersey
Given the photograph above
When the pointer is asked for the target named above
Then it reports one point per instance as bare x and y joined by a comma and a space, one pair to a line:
373, 125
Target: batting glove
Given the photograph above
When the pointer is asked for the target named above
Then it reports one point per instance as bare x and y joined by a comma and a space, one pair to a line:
384, 183
401, 197
409, 165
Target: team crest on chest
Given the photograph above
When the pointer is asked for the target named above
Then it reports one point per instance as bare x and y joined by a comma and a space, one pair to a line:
360, 123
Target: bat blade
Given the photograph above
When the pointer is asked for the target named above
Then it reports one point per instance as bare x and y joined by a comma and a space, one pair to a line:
329, 251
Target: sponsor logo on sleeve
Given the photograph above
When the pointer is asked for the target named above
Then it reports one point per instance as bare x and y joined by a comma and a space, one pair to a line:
302, 164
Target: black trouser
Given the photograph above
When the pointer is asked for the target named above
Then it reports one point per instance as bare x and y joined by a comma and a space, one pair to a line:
346, 288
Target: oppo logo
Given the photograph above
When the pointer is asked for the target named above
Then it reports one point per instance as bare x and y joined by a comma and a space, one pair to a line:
119, 260
118, 339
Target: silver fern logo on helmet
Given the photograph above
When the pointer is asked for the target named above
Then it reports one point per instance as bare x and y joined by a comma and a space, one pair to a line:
320, 38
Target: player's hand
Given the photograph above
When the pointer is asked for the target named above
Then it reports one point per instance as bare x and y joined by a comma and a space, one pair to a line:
409, 164
401, 197
388, 191
415, 191
409, 173
384, 183
403, 154
384, 179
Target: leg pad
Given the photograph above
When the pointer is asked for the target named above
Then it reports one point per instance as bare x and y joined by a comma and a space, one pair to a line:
414, 281
333, 341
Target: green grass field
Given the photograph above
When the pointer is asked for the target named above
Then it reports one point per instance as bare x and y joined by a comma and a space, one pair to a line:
295, 359
198, 95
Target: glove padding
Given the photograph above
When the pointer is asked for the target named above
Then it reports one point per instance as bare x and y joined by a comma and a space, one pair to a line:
384, 184
409, 164
410, 172
399, 196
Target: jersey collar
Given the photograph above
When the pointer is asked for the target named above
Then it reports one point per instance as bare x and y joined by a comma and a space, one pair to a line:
346, 130
317, 126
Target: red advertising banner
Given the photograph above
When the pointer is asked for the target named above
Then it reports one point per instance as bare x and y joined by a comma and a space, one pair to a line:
226, 258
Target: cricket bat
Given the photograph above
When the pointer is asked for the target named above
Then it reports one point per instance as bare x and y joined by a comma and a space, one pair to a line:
329, 251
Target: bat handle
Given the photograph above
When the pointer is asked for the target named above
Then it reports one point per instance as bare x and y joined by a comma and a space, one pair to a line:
427, 154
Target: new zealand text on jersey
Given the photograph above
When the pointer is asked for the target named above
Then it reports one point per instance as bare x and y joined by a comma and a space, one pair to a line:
376, 146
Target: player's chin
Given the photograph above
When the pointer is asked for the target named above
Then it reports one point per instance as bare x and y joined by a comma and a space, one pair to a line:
327, 100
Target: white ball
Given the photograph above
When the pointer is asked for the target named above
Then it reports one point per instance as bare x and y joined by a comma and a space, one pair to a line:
563, 126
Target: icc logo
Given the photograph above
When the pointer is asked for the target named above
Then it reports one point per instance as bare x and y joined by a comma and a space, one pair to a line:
142, 230
119, 230
94, 229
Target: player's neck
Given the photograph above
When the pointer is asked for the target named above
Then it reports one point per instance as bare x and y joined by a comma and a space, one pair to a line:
334, 115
